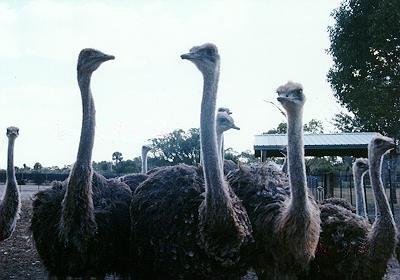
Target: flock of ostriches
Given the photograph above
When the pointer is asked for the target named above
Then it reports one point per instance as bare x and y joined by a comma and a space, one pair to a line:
204, 222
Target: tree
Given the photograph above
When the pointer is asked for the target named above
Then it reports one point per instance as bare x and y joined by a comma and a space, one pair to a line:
37, 166
365, 77
117, 157
313, 126
280, 129
128, 166
346, 123
176, 147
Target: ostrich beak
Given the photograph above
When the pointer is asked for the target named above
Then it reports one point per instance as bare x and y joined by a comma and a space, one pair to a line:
187, 56
107, 57
281, 99
236, 127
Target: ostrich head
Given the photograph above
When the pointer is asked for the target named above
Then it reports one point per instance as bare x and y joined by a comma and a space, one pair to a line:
146, 148
361, 164
225, 122
205, 57
90, 59
381, 144
291, 96
12, 132
224, 109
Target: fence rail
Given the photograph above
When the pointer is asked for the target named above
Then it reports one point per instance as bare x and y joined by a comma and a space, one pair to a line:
321, 186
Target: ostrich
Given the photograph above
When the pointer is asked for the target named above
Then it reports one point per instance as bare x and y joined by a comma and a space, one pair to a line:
184, 226
11, 202
224, 122
349, 247
145, 150
134, 180
360, 167
285, 219
81, 226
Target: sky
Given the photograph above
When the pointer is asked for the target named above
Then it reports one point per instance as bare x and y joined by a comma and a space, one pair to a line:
148, 91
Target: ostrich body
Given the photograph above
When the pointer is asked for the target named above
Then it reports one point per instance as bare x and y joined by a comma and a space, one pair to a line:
285, 218
349, 247
339, 202
81, 226
360, 167
11, 202
186, 221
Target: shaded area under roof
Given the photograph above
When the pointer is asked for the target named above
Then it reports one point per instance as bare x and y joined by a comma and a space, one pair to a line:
337, 144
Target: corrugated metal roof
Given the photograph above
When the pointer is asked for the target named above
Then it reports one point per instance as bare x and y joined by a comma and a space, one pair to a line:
334, 139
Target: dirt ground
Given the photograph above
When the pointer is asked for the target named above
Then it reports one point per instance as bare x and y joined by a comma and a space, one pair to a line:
19, 259
18, 256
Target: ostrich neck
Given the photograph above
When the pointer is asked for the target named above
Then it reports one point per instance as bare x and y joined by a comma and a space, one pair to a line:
11, 195
77, 218
216, 189
295, 156
381, 202
360, 199
144, 161
10, 204
10, 161
220, 143
88, 121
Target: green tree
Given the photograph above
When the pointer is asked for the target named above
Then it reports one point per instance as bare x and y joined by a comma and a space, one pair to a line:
313, 126
117, 157
176, 147
37, 166
128, 166
280, 129
102, 166
365, 77
346, 123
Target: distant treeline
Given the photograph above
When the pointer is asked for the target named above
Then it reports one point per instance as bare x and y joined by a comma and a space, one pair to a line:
38, 178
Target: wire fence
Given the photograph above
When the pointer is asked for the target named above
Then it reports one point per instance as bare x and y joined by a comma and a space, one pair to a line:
343, 187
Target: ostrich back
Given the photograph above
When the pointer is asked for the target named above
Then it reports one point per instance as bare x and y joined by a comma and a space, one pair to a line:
264, 190
165, 228
133, 180
107, 253
340, 202
229, 165
342, 251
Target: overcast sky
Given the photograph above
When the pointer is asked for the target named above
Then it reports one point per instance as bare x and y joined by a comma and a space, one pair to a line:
148, 90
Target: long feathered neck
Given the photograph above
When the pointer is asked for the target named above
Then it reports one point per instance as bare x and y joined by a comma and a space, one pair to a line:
10, 162
144, 160
216, 188
88, 120
10, 205
361, 207
77, 219
220, 143
295, 156
382, 237
381, 203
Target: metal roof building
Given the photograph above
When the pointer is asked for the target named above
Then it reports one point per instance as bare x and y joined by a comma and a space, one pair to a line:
338, 144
